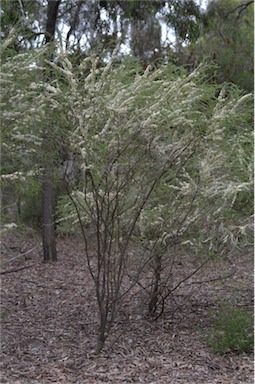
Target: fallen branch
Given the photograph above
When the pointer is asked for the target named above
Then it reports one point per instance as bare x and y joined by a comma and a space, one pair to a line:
20, 256
16, 270
224, 277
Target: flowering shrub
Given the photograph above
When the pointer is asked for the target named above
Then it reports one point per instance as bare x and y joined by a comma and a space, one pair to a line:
158, 158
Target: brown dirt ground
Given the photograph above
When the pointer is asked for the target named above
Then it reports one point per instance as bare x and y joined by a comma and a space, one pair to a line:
49, 323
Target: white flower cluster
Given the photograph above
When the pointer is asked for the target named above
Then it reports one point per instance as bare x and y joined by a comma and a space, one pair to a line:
148, 141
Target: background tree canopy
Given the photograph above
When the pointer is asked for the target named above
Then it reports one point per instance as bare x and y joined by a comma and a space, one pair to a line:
222, 31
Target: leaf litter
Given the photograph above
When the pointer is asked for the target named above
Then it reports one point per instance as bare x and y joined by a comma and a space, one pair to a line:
49, 323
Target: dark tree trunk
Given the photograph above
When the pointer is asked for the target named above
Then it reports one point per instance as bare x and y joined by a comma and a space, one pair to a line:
52, 12
48, 206
48, 216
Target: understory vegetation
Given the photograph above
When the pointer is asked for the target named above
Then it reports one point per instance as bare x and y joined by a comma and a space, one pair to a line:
232, 330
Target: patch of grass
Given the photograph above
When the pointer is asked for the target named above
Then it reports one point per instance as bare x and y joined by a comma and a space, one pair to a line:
232, 331
4, 314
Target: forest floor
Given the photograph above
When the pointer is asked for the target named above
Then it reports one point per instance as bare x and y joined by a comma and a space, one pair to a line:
49, 322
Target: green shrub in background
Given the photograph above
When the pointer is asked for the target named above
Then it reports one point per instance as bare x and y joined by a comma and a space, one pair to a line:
21, 200
30, 204
232, 331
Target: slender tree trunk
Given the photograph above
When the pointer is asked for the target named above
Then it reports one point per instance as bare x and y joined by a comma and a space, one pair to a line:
156, 285
48, 206
48, 213
102, 333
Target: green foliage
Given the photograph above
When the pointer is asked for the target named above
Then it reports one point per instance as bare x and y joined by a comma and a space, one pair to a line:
4, 314
23, 16
66, 218
30, 197
21, 199
186, 18
228, 39
232, 331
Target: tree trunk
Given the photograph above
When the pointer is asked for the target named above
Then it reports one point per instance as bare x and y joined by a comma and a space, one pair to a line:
52, 12
156, 285
48, 213
48, 206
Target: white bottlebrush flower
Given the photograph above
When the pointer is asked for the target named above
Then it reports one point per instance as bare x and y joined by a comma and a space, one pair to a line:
13, 176
6, 42
8, 227
35, 86
241, 100
139, 127
51, 89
